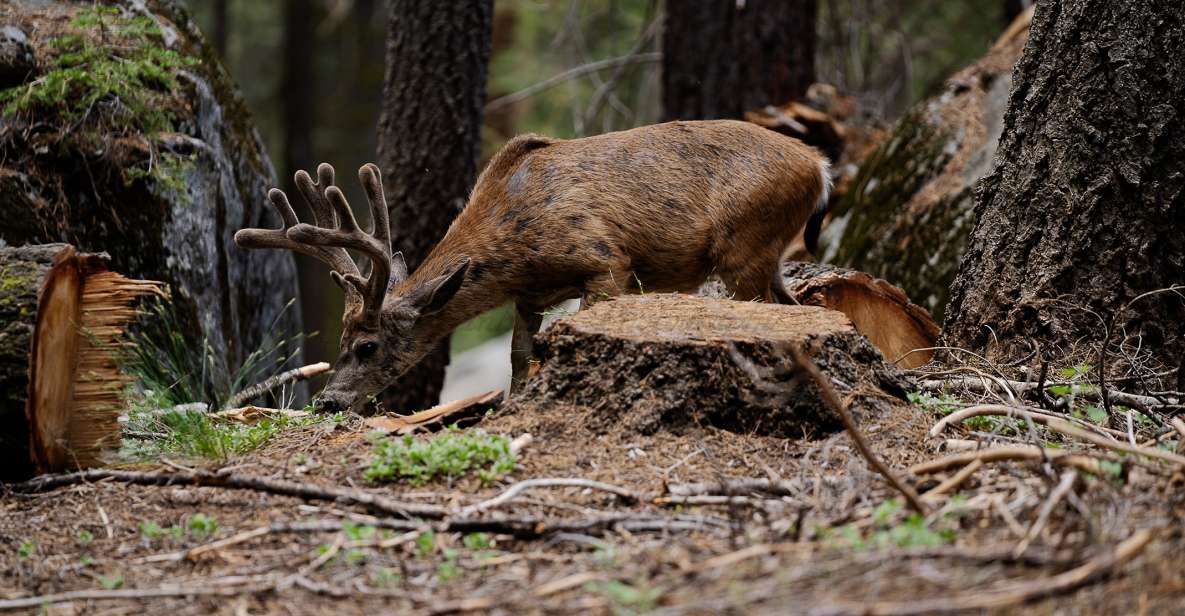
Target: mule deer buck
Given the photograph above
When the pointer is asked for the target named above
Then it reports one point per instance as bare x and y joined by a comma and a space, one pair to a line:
658, 208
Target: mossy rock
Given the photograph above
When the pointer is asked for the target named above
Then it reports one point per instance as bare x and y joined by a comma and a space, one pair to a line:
130, 138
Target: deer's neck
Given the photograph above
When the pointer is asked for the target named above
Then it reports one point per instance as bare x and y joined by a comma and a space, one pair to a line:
481, 292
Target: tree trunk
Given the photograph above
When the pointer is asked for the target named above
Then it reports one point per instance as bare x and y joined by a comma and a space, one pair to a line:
1085, 210
908, 212
430, 140
722, 58
61, 318
299, 89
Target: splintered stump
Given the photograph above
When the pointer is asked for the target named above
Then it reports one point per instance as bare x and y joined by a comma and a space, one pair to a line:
61, 317
902, 331
647, 362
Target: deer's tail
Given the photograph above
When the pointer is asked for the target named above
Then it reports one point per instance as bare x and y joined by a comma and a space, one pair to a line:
815, 222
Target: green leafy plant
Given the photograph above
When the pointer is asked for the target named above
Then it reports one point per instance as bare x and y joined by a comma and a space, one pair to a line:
450, 454
26, 550
384, 577
448, 570
85, 536
941, 405
477, 541
425, 544
86, 560
625, 599
201, 526
891, 531
358, 532
111, 582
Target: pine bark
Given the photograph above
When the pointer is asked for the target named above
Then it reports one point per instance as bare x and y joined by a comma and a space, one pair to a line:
430, 140
1085, 210
722, 58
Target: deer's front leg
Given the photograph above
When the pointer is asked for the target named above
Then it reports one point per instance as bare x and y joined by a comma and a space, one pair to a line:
527, 320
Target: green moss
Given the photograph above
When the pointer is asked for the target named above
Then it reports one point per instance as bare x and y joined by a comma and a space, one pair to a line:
112, 74
450, 455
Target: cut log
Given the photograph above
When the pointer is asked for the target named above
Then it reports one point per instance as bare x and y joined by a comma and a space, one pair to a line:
898, 328
61, 318
649, 362
910, 208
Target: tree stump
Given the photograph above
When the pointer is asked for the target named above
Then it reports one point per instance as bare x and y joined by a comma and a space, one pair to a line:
656, 361
898, 328
61, 317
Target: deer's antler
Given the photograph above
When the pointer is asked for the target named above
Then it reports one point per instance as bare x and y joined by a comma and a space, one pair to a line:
335, 231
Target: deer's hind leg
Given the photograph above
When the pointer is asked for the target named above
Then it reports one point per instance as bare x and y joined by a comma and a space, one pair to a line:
758, 279
527, 320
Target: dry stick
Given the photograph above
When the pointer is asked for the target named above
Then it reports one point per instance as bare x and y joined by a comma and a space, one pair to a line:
955, 481
738, 487
1083, 461
831, 400
528, 484
1159, 454
1136, 401
296, 374
1012, 594
1000, 410
1063, 487
225, 479
128, 593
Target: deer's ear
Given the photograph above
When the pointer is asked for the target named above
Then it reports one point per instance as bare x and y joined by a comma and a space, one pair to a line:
432, 296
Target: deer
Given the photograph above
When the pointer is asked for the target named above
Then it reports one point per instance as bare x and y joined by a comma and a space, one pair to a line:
658, 208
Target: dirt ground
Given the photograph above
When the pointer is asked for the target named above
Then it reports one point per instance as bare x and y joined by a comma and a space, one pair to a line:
811, 547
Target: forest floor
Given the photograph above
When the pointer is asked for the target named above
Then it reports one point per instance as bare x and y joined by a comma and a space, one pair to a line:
692, 520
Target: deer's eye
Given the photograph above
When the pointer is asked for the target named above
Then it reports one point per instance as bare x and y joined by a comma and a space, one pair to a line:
366, 349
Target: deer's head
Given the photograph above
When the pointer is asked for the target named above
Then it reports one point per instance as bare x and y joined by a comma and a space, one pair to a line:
383, 333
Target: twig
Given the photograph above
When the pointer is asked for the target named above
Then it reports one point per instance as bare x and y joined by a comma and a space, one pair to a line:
128, 593
738, 487
572, 73
1000, 410
296, 374
831, 400
1136, 401
1083, 461
529, 484
954, 481
1055, 497
228, 480
1069, 430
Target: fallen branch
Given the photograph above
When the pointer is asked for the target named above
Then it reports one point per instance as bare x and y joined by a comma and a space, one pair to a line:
954, 481
530, 484
131, 593
1081, 461
1000, 410
296, 374
225, 479
1159, 454
738, 487
831, 400
980, 385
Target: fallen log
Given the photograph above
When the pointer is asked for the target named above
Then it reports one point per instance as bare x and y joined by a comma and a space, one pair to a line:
62, 314
897, 327
665, 361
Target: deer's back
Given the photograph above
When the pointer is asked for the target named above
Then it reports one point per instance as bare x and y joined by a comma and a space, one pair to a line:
669, 197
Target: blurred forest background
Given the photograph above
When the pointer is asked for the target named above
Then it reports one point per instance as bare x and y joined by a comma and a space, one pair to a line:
311, 72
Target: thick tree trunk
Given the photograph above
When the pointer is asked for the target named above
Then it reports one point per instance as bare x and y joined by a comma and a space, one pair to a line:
1085, 210
430, 139
908, 212
723, 58
299, 86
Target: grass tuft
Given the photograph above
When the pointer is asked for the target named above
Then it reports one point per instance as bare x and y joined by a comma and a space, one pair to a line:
450, 455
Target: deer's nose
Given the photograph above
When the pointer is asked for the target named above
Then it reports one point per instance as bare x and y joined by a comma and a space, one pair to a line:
328, 405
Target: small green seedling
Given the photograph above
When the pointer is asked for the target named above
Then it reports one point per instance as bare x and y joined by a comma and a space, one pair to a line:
26, 550
202, 526
358, 532
85, 536
111, 582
